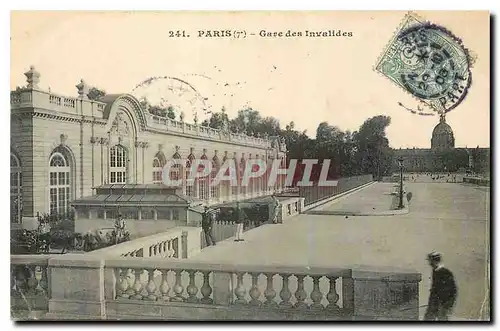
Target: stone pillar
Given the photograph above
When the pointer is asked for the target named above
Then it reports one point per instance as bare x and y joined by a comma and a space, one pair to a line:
76, 287
386, 296
222, 288
184, 245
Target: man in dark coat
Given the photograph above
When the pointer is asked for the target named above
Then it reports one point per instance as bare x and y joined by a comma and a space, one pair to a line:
443, 290
207, 221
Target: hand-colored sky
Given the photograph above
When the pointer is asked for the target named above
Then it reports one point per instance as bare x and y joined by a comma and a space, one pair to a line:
305, 80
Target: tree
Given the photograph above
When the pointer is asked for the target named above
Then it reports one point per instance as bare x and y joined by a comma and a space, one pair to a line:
374, 154
171, 112
95, 93
216, 120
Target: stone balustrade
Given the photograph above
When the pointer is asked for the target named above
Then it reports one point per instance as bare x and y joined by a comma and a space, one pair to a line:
35, 98
29, 284
204, 131
290, 207
170, 244
275, 291
90, 286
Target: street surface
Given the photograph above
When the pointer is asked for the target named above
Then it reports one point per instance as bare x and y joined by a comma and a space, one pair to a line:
451, 218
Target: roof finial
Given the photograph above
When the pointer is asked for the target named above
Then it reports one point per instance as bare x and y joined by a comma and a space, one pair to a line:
83, 89
442, 118
32, 77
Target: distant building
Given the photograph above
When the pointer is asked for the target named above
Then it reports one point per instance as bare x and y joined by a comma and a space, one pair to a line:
63, 148
443, 156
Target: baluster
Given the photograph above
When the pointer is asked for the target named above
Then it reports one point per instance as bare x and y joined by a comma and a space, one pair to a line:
12, 280
32, 282
42, 280
254, 291
206, 290
164, 288
316, 295
169, 248
240, 291
20, 280
129, 276
270, 293
285, 293
151, 287
160, 248
332, 295
300, 294
178, 288
121, 283
138, 287
191, 289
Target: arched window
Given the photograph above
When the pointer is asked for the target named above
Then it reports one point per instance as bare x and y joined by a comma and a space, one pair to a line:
176, 169
203, 188
158, 164
118, 165
214, 189
255, 181
59, 184
241, 171
234, 188
191, 186
16, 186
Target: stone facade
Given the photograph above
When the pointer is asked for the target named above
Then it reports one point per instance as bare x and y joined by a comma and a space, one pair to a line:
443, 156
63, 147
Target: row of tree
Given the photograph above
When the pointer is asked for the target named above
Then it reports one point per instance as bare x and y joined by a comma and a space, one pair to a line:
365, 151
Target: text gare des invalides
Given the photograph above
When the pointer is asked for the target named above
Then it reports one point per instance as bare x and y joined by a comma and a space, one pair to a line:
277, 34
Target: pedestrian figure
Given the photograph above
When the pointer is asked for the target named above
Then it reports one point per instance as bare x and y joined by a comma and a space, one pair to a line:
276, 209
443, 290
207, 221
239, 219
120, 226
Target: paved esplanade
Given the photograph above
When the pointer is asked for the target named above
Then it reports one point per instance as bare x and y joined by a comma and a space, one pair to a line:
451, 218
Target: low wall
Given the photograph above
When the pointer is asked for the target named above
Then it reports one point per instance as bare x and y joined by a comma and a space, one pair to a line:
87, 286
314, 194
477, 181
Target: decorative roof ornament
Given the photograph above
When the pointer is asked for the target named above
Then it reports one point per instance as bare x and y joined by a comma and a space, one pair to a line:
83, 89
63, 137
32, 77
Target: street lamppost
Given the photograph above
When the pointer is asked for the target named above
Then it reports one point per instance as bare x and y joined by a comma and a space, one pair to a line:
400, 162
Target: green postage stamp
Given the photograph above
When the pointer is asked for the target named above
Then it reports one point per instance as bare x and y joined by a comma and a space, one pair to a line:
429, 62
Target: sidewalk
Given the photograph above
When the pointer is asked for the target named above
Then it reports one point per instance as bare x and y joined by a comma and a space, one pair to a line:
374, 200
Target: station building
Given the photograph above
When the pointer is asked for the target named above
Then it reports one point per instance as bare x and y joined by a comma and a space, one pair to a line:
66, 148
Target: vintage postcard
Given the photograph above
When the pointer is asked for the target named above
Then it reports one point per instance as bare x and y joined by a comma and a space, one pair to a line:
229, 166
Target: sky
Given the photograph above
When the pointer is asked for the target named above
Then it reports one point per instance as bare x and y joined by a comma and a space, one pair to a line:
305, 80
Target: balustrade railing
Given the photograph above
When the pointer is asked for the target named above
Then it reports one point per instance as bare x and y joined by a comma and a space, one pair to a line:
163, 245
97, 286
300, 289
29, 283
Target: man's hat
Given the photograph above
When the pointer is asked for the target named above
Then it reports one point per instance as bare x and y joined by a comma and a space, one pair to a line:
434, 256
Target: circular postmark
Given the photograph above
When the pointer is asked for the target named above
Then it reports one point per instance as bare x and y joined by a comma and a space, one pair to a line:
433, 66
